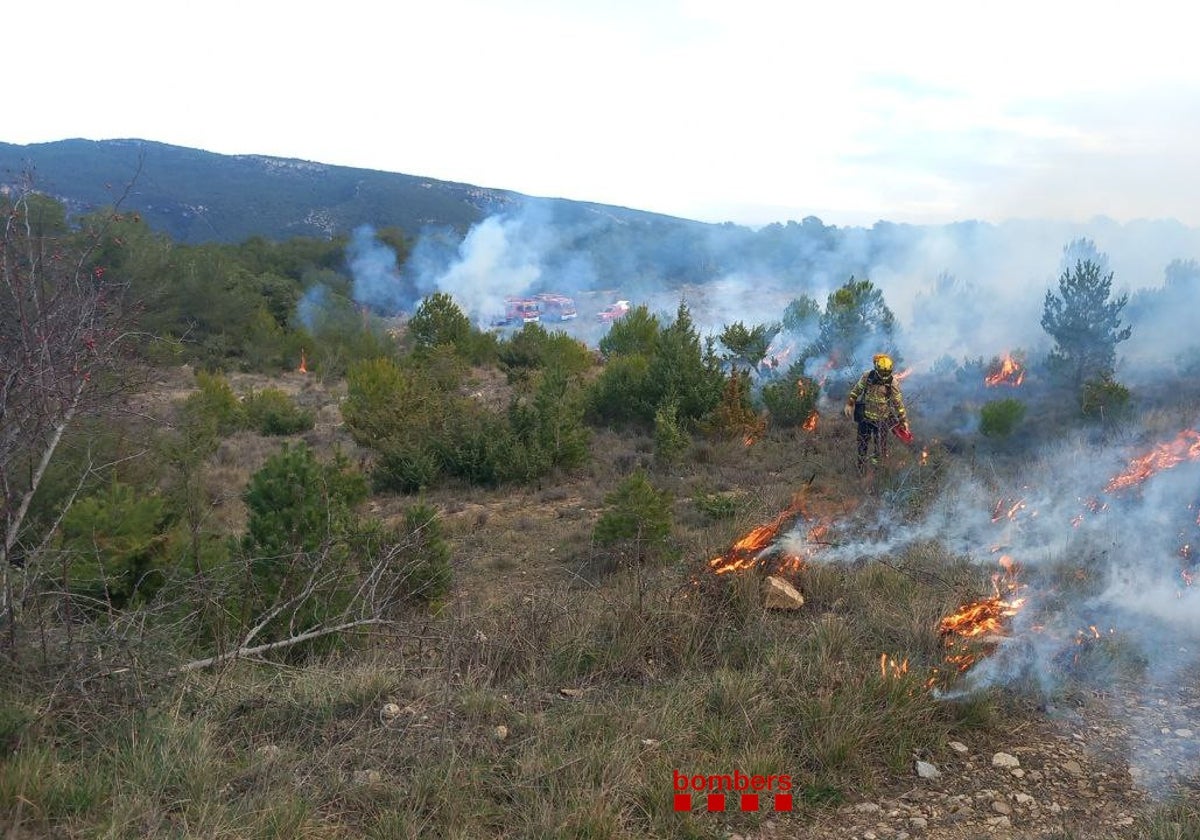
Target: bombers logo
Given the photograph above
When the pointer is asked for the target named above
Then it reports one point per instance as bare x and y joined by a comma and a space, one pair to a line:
747, 788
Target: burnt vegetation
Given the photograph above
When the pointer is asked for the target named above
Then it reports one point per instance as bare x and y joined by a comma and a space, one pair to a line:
278, 563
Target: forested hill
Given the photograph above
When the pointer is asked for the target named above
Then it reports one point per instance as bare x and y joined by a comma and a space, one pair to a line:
197, 196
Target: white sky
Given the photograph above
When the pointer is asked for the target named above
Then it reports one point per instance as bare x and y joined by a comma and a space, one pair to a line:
749, 111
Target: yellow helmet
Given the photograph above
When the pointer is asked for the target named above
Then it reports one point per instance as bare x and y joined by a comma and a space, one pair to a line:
883, 364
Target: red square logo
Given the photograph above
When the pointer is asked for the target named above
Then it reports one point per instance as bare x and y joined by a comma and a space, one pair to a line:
749, 801
783, 802
683, 802
716, 802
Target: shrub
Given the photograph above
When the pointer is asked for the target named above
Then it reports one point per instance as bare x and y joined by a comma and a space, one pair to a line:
622, 392
999, 418
423, 564
792, 399
117, 545
1104, 399
406, 469
216, 399
272, 412
637, 520
671, 440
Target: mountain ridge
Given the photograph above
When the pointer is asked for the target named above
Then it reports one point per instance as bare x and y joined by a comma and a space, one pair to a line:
198, 196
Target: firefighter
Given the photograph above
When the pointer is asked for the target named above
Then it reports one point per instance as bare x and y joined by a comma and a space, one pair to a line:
876, 405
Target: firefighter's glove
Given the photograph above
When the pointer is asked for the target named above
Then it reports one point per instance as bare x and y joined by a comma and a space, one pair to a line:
849, 411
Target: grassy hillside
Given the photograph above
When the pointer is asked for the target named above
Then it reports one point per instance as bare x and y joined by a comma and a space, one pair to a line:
197, 196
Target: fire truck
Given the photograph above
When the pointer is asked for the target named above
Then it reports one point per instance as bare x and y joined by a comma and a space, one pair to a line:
519, 311
612, 313
556, 307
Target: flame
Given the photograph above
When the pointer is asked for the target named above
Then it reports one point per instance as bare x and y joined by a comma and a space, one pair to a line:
902, 375
745, 553
889, 667
1185, 447
1006, 372
982, 619
810, 425
303, 363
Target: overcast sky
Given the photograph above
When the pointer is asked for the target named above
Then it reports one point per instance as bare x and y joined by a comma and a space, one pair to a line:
749, 111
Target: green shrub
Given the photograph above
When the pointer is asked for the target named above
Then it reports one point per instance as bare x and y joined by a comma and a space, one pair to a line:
272, 412
1105, 400
671, 440
1000, 418
296, 503
388, 406
622, 392
116, 541
716, 505
406, 469
216, 399
637, 520
423, 566
792, 399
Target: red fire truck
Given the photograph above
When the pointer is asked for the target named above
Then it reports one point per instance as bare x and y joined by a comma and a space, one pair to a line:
556, 307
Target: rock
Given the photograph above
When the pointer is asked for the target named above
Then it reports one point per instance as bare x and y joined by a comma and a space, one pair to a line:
1017, 773
1184, 733
919, 823
1024, 799
1005, 761
268, 752
867, 808
571, 693
778, 594
925, 770
999, 822
367, 777
1073, 767
389, 712
501, 732
959, 747
1001, 807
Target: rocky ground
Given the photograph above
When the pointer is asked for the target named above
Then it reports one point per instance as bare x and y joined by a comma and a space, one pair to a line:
1100, 771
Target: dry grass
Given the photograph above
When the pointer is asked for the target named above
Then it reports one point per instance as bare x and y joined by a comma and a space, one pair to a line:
663, 669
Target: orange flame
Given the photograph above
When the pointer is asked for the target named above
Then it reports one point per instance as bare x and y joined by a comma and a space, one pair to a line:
889, 667
1185, 447
1007, 372
810, 425
303, 363
981, 619
744, 553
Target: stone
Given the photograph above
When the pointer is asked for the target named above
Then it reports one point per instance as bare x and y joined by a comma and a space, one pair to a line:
778, 594
1001, 807
925, 770
959, 747
367, 777
1005, 761
1073, 767
389, 712
501, 732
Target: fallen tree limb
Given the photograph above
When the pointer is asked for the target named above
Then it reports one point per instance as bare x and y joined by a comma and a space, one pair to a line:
315, 633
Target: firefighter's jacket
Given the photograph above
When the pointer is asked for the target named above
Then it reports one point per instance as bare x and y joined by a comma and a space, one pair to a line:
881, 401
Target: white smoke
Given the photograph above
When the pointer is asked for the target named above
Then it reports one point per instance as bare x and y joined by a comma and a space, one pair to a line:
1103, 571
